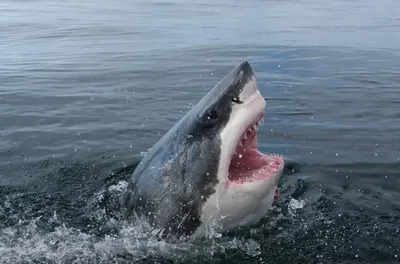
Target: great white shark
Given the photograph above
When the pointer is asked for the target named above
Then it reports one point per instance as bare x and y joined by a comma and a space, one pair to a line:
206, 173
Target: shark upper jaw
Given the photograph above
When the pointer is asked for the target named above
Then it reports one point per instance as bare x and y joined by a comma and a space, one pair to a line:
244, 163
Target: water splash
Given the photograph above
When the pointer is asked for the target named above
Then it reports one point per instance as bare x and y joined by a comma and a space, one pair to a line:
54, 240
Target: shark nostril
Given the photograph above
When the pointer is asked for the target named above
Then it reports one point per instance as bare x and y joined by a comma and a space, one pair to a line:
237, 100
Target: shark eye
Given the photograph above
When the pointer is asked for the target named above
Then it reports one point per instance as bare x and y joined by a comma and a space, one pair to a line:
236, 100
212, 114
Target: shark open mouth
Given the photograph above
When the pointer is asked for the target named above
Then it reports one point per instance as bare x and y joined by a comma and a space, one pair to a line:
248, 164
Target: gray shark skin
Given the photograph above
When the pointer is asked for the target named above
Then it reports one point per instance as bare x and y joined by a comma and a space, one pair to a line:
188, 183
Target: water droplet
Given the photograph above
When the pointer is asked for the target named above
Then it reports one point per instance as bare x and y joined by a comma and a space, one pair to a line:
337, 154
240, 156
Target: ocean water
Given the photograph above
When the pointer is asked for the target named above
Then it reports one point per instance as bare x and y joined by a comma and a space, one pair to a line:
87, 86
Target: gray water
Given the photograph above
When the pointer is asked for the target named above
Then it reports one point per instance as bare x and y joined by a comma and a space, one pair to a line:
87, 86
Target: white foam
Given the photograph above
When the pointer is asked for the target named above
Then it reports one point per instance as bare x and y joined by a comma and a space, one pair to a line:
29, 242
295, 205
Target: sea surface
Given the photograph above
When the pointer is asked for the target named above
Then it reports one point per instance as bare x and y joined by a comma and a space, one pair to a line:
86, 87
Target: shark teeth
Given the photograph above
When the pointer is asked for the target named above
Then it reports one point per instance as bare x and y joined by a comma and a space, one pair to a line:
251, 130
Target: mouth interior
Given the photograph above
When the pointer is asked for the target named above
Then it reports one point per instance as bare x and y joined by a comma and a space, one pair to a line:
248, 164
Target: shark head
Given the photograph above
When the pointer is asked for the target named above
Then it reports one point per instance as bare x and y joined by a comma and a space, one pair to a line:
247, 178
206, 173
